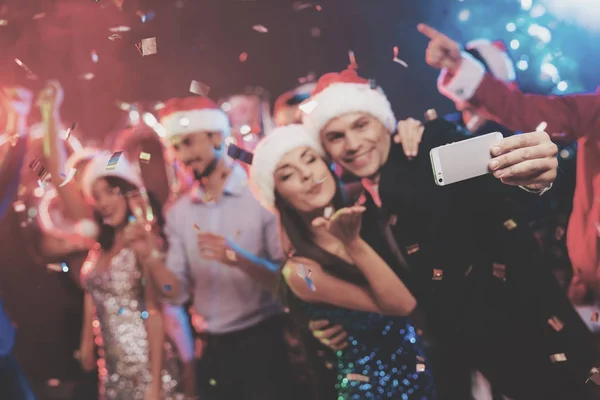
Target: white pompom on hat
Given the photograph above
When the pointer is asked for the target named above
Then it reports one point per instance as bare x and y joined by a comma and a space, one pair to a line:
267, 155
495, 56
97, 168
182, 116
341, 93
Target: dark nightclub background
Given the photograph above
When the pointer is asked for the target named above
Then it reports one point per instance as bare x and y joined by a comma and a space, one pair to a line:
203, 40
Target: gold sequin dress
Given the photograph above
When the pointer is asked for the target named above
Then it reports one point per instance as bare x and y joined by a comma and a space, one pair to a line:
124, 368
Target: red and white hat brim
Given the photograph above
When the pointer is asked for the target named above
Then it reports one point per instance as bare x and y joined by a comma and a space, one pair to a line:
343, 98
193, 121
268, 153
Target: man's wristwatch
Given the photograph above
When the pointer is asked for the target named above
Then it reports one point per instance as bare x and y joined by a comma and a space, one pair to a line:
539, 192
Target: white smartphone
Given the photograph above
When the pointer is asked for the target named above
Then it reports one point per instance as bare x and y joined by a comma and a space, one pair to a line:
459, 161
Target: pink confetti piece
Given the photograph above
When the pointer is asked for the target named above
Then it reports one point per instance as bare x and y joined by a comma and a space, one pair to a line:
260, 29
243, 56
299, 6
114, 37
352, 59
398, 60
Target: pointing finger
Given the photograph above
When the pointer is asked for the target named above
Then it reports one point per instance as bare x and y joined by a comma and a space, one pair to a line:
430, 32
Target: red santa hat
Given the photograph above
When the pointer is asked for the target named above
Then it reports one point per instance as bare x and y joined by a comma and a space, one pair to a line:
181, 116
337, 94
494, 55
267, 155
99, 168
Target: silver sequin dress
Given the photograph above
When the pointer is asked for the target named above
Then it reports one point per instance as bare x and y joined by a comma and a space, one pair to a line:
124, 368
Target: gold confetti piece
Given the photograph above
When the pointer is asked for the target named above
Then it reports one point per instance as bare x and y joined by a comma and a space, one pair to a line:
469, 269
196, 227
114, 37
70, 176
595, 317
357, 377
123, 105
308, 106
243, 56
499, 271
541, 127
260, 29
393, 220
231, 255
556, 323
328, 212
199, 88
559, 357
352, 59
438, 274
413, 248
510, 224
147, 47
145, 157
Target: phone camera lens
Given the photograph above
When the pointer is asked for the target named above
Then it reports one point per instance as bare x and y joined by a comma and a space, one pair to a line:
440, 180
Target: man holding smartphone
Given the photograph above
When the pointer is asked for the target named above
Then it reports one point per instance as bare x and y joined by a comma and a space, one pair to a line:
571, 117
489, 303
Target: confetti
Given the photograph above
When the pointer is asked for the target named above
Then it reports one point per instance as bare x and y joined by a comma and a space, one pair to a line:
541, 127
556, 323
308, 107
212, 382
145, 157
30, 74
119, 29
145, 16
145, 315
39, 169
39, 16
412, 248
595, 317
420, 367
357, 377
304, 273
319, 8
88, 77
113, 160
71, 129
299, 6
123, 105
167, 287
68, 178
559, 357
438, 274
147, 47
372, 84
114, 37
510, 224
499, 271
94, 56
398, 60
431, 115
196, 227
328, 212
352, 58
260, 28
469, 269
54, 267
595, 377
199, 88
231, 255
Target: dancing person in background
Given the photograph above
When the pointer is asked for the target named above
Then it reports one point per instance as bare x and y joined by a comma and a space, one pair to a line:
334, 274
568, 118
471, 264
138, 362
224, 248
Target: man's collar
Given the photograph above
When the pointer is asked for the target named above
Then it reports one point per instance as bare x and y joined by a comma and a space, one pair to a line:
234, 186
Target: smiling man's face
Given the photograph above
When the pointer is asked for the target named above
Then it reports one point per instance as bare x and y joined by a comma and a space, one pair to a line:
358, 142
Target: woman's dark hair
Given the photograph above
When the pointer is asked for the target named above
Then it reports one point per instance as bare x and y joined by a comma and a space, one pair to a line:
301, 237
106, 237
